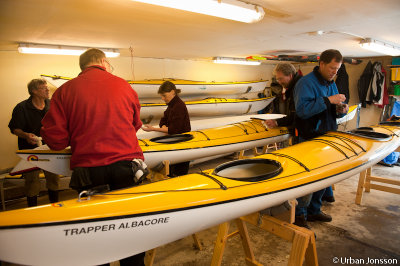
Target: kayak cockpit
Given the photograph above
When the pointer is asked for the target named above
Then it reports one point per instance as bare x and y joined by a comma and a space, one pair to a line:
172, 139
370, 133
249, 170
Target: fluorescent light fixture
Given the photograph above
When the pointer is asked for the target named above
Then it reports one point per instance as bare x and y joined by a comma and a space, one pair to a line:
380, 47
31, 48
229, 9
235, 61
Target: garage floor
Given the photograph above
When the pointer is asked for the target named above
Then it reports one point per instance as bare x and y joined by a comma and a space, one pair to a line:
358, 233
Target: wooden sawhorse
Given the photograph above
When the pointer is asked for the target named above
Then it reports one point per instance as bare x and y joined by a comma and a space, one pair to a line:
365, 182
303, 247
256, 152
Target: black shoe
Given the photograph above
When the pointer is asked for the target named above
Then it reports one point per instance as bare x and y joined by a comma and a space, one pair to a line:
53, 196
301, 221
328, 198
385, 164
322, 217
32, 201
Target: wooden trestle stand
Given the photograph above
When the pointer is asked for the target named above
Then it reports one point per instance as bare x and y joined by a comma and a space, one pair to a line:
364, 182
303, 247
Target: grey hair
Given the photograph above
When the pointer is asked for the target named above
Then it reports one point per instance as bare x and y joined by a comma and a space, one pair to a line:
286, 69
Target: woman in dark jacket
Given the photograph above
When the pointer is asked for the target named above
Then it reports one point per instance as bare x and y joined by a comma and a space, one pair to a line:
175, 121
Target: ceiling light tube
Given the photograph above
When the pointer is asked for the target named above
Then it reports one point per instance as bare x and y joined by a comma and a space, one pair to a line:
235, 61
30, 48
228, 9
380, 47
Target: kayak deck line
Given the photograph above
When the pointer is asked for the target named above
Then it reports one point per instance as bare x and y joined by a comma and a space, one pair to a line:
222, 186
291, 158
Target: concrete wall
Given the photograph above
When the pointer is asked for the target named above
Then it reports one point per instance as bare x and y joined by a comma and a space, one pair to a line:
18, 69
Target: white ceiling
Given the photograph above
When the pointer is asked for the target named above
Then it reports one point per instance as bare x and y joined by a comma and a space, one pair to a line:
159, 32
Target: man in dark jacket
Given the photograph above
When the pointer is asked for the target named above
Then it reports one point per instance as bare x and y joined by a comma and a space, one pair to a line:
26, 123
318, 104
287, 77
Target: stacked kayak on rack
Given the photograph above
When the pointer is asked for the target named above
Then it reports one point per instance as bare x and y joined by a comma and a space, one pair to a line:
209, 107
149, 88
203, 99
112, 225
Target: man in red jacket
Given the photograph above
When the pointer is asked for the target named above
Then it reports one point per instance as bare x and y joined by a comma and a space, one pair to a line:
97, 114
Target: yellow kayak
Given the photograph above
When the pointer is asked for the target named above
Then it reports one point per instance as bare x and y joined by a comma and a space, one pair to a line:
176, 148
104, 227
210, 107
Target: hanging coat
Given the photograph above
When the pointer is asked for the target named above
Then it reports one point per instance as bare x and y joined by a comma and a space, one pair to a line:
342, 82
363, 84
376, 85
384, 96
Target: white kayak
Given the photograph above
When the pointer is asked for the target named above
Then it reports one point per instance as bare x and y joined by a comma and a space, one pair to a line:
350, 114
149, 88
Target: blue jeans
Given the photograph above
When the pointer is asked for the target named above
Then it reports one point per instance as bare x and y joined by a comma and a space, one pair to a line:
328, 192
310, 204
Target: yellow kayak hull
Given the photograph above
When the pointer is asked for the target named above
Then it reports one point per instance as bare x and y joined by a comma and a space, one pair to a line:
117, 224
209, 107
176, 148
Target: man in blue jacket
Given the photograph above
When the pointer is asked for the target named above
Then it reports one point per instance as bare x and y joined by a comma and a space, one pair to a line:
318, 104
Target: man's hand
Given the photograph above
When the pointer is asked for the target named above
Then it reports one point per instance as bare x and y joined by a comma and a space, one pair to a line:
270, 123
32, 139
337, 98
342, 108
147, 128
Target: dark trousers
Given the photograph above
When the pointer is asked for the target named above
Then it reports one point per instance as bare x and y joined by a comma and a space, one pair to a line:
179, 169
136, 260
117, 175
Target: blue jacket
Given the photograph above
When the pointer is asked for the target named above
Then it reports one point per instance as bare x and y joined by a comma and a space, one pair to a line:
315, 115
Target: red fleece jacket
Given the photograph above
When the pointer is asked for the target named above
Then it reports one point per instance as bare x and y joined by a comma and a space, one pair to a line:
97, 114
